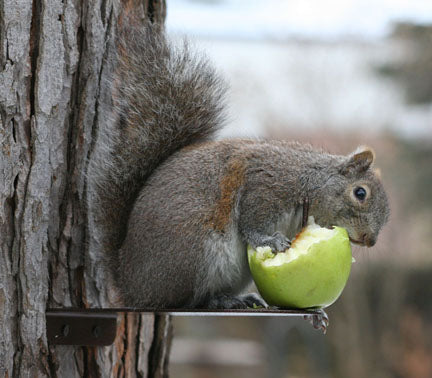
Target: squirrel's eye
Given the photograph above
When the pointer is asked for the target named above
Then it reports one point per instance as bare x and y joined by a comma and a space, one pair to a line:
360, 193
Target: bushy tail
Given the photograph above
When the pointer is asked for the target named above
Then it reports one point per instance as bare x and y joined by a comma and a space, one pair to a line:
165, 99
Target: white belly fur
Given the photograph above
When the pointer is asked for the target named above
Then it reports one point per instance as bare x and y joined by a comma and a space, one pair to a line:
226, 266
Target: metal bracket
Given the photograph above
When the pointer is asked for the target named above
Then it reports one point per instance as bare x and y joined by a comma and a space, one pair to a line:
81, 328
98, 327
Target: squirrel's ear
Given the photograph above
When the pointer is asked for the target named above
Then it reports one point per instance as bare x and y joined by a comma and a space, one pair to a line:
359, 161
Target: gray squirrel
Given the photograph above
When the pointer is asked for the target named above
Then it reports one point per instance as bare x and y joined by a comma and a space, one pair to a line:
178, 209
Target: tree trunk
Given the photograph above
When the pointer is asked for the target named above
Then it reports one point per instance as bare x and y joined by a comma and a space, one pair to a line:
52, 70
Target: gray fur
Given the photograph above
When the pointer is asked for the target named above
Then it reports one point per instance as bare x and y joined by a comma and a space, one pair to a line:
178, 220
164, 98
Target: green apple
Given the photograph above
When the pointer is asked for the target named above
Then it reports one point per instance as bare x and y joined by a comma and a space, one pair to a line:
310, 274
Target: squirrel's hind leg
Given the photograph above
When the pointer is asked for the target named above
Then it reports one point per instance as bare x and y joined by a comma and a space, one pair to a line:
244, 301
319, 321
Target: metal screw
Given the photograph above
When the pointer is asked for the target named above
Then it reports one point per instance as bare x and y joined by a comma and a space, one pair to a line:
96, 331
65, 330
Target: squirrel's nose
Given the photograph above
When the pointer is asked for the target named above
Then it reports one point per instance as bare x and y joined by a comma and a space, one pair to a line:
369, 240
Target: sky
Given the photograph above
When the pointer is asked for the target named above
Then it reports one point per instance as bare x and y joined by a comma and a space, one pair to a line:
305, 84
325, 19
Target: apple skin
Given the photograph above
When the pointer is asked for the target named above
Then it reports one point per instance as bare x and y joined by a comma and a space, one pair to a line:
312, 280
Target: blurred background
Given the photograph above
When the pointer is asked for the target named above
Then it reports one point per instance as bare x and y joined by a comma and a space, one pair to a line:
336, 74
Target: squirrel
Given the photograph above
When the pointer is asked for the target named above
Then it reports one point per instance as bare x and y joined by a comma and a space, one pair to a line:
177, 208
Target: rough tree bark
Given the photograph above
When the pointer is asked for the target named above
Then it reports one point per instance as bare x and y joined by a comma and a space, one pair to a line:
52, 72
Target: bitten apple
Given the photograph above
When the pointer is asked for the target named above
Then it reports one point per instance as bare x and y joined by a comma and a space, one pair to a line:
312, 273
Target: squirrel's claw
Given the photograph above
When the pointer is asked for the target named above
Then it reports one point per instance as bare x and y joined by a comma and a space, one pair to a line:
305, 217
278, 242
319, 321
253, 300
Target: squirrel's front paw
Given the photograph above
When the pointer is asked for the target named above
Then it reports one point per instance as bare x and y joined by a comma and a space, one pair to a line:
278, 242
